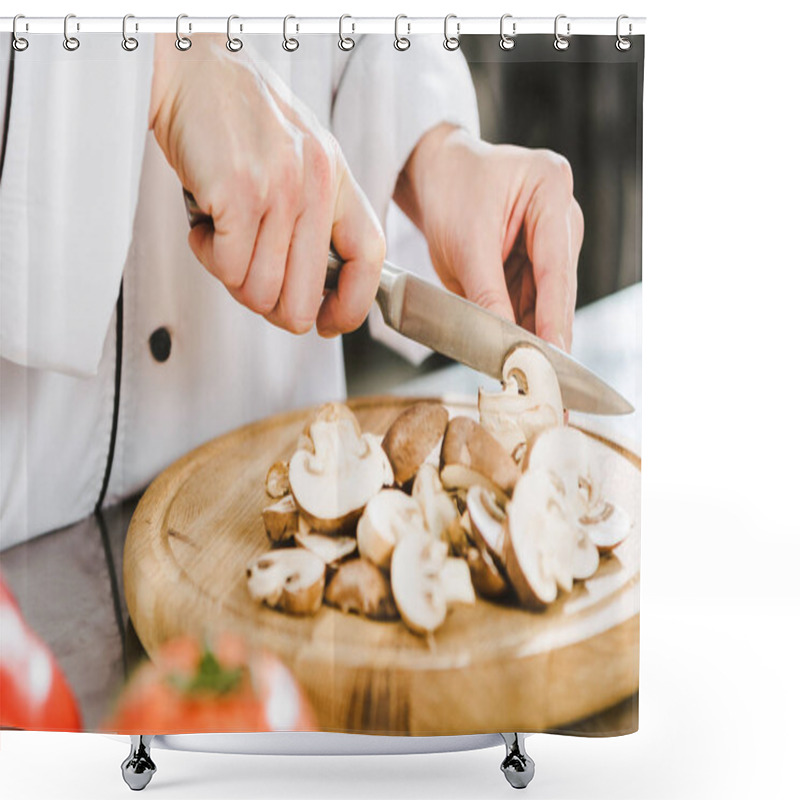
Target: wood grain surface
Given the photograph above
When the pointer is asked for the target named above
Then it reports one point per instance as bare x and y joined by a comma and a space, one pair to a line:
491, 667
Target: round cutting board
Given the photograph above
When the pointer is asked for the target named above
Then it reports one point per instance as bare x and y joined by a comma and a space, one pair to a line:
490, 667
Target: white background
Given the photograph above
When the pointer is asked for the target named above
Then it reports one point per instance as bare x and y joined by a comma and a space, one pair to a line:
720, 598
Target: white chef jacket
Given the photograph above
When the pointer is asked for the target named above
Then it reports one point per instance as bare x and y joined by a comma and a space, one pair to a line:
88, 203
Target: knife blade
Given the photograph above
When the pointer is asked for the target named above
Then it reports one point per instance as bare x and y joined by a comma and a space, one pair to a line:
465, 332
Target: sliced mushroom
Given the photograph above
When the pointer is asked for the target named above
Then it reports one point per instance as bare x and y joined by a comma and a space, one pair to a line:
528, 403
332, 482
471, 455
389, 516
486, 577
277, 483
331, 549
426, 582
540, 541
359, 586
607, 526
291, 579
281, 519
586, 558
412, 437
486, 520
438, 508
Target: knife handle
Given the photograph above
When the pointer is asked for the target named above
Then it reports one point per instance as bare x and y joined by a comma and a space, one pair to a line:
198, 217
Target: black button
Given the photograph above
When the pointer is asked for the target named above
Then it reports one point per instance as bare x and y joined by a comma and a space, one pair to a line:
160, 344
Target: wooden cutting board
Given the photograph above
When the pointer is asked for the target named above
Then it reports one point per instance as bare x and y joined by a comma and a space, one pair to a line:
491, 667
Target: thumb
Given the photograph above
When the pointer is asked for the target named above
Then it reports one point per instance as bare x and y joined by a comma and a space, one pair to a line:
483, 280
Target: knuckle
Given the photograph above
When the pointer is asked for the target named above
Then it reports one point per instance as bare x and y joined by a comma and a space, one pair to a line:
559, 170
319, 165
577, 220
374, 247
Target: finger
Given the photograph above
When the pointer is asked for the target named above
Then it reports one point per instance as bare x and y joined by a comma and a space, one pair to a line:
482, 276
262, 286
357, 237
552, 252
225, 249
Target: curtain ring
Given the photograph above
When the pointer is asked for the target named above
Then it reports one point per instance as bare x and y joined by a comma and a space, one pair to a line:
623, 44
234, 44
70, 43
129, 43
507, 42
401, 42
182, 42
560, 42
346, 42
451, 43
19, 43
290, 44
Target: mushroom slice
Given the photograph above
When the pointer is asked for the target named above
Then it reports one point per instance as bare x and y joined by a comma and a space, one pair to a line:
292, 579
332, 482
281, 519
277, 483
540, 542
359, 586
486, 577
426, 582
607, 526
331, 549
438, 508
528, 403
412, 437
586, 558
388, 516
471, 455
486, 521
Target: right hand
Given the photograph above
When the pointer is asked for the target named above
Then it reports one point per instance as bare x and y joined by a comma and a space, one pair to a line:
275, 184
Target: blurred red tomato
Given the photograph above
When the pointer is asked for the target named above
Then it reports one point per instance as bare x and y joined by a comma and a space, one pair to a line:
218, 686
34, 694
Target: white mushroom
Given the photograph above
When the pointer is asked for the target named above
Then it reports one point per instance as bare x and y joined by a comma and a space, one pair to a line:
277, 482
292, 579
541, 540
528, 403
389, 516
607, 525
487, 520
332, 481
281, 519
413, 437
438, 508
471, 455
426, 582
359, 586
331, 549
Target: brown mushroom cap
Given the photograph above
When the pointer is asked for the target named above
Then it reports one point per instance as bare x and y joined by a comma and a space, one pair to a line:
486, 577
470, 455
359, 586
291, 579
412, 437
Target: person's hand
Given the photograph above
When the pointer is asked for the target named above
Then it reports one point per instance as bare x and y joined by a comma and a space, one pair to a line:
502, 226
274, 182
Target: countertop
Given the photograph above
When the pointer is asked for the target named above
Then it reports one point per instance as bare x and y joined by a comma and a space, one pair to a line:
69, 582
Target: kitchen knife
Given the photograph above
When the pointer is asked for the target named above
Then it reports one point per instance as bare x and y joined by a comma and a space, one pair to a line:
465, 332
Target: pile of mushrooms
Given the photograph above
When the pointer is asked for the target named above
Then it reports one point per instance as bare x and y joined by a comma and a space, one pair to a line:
407, 526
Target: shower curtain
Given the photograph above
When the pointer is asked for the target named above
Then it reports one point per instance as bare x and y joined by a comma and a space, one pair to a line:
236, 494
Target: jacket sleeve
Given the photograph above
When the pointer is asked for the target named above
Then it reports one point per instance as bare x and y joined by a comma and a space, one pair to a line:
76, 133
385, 101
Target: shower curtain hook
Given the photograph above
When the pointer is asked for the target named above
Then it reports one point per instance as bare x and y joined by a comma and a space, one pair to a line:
19, 43
182, 42
346, 42
129, 43
70, 43
452, 42
234, 44
561, 42
623, 44
290, 44
507, 42
401, 42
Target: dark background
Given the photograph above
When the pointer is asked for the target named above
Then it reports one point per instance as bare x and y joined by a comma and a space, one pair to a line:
585, 103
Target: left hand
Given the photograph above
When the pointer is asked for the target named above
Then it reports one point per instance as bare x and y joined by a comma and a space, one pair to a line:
502, 226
